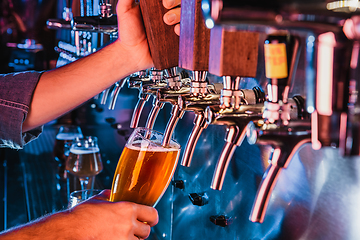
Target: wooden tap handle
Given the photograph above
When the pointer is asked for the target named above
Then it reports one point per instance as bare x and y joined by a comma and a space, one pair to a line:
194, 37
163, 42
233, 52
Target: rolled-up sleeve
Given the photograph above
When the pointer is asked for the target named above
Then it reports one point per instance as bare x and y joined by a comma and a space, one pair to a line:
16, 91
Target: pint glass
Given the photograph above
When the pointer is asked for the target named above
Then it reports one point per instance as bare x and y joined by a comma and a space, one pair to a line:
145, 168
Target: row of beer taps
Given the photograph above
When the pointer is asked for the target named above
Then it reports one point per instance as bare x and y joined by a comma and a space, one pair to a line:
273, 118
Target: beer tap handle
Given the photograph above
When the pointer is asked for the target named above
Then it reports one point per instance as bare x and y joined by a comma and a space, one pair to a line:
194, 46
143, 98
234, 137
157, 105
200, 124
115, 92
280, 158
176, 114
163, 42
233, 55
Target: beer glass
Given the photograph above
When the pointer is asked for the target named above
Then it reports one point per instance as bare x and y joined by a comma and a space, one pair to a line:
84, 160
145, 168
63, 140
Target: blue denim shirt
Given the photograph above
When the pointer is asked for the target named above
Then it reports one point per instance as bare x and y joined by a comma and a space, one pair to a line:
16, 90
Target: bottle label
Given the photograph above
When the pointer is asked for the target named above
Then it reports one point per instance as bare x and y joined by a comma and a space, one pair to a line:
275, 60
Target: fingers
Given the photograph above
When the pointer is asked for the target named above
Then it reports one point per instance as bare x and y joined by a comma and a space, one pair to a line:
142, 230
147, 214
171, 3
172, 16
124, 6
147, 217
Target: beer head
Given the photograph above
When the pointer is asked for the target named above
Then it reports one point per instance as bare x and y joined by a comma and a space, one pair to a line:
149, 138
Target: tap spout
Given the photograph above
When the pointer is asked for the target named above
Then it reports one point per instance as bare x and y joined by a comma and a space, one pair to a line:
286, 142
157, 106
200, 124
236, 122
176, 114
143, 98
105, 95
234, 138
115, 92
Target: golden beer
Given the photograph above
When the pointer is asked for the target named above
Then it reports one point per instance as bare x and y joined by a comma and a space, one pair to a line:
143, 173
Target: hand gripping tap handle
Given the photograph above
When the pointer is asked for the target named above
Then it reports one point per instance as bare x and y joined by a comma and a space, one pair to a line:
163, 42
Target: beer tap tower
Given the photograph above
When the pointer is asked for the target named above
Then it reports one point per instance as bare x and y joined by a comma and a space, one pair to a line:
331, 82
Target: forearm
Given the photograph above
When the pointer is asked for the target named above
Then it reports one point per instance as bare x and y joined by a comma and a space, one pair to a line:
49, 227
62, 89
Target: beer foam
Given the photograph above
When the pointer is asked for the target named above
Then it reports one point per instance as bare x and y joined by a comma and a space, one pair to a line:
68, 136
145, 146
84, 150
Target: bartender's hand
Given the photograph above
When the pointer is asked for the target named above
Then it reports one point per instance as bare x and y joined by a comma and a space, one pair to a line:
98, 218
131, 31
95, 218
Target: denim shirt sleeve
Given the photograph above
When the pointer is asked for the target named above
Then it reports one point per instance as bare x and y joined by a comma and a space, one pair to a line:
16, 90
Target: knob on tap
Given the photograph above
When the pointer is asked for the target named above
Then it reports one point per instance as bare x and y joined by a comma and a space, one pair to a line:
335, 115
163, 42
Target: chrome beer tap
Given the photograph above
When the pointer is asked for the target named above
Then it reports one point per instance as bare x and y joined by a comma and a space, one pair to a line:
194, 56
198, 105
164, 48
237, 107
282, 131
236, 122
335, 115
102, 22
147, 82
